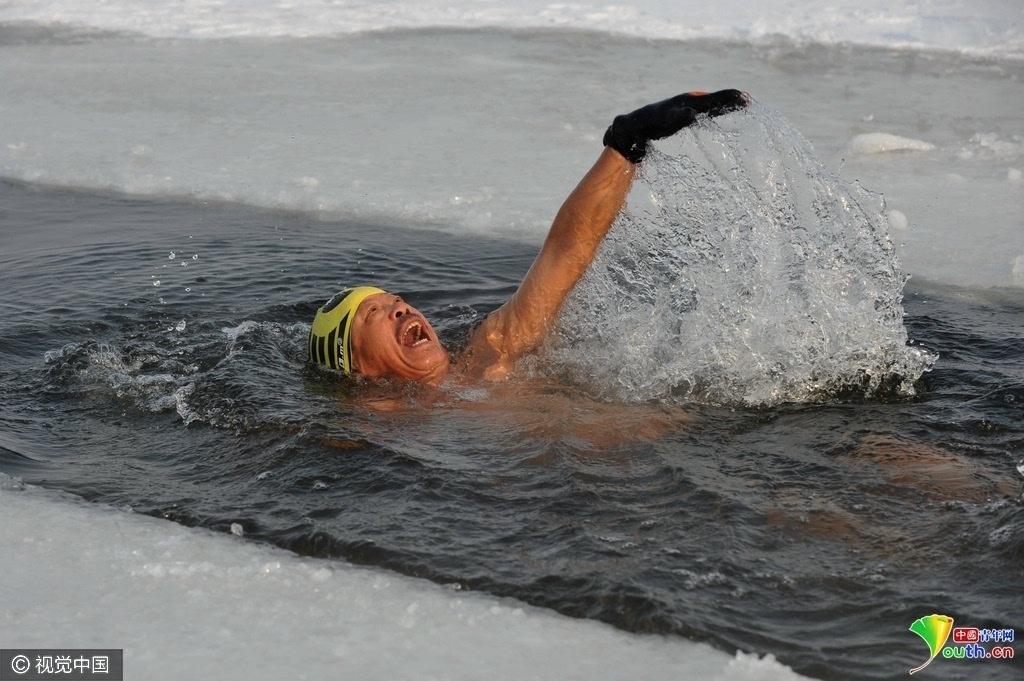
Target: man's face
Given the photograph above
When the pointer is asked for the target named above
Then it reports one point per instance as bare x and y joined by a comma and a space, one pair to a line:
391, 338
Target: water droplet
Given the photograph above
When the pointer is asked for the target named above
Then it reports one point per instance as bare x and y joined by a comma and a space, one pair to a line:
184, 264
180, 327
188, 289
1020, 466
156, 283
171, 256
195, 257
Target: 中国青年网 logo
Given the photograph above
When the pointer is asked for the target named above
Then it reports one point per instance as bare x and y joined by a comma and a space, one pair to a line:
967, 641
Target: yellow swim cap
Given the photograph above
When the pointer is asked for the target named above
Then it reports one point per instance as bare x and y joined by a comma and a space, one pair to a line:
330, 337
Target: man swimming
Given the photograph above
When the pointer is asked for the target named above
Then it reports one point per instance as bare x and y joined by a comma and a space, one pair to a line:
367, 331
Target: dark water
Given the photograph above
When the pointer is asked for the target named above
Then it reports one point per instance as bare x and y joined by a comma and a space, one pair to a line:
818, 533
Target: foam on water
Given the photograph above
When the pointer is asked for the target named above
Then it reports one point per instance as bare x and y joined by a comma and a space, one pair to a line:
742, 271
184, 372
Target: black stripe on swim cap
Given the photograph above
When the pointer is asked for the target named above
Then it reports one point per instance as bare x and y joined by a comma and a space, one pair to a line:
332, 347
345, 359
336, 300
320, 354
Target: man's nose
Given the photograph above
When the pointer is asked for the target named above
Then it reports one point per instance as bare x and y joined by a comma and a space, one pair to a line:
399, 308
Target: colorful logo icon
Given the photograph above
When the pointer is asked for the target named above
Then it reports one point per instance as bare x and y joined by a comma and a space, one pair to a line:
934, 629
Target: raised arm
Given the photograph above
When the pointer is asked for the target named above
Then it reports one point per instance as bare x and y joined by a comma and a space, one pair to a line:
582, 222
580, 225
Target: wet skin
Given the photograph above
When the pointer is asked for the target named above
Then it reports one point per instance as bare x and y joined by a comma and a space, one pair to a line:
392, 338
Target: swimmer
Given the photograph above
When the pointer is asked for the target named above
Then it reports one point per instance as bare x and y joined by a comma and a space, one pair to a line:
367, 331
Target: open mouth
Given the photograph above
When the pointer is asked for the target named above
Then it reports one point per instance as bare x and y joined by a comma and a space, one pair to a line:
414, 335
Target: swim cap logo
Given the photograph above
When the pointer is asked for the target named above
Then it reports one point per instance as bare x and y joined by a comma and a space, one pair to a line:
934, 629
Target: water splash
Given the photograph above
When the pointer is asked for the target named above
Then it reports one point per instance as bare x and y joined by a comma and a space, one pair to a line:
214, 376
142, 376
741, 272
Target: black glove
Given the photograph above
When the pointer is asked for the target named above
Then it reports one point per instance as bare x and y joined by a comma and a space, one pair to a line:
629, 133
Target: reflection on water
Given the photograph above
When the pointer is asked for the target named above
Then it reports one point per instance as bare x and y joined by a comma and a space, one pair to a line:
815, 532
